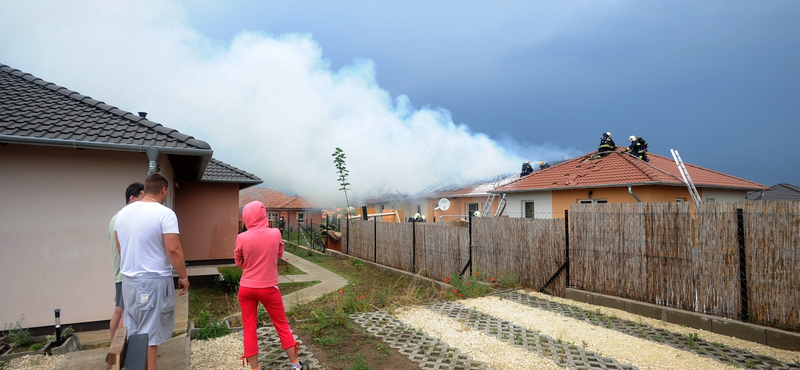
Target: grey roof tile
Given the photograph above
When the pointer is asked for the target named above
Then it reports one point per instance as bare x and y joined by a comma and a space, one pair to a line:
218, 171
32, 107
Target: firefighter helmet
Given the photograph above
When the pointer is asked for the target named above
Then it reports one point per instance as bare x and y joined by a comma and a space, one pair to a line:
632, 138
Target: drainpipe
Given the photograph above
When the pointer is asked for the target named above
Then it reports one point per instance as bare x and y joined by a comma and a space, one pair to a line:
634, 195
152, 155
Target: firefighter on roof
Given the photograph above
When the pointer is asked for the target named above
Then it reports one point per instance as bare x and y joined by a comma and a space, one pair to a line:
526, 169
638, 148
606, 143
543, 165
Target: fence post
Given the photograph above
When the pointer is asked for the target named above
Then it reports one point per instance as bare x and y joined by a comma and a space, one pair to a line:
470, 243
347, 225
566, 240
742, 265
414, 247
375, 242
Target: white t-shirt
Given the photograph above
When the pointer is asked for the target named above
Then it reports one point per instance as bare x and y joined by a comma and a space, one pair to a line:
140, 227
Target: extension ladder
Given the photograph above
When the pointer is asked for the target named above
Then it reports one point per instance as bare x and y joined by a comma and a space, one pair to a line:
686, 178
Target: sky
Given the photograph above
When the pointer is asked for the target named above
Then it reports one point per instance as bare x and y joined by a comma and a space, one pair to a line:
418, 91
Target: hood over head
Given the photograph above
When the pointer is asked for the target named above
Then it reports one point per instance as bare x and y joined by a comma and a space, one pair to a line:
254, 215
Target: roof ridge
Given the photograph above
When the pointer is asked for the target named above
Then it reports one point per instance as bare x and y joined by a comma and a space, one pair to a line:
637, 162
85, 99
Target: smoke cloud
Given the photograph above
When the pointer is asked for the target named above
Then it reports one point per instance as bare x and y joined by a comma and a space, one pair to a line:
268, 104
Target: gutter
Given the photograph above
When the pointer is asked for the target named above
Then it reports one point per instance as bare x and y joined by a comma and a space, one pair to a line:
634, 195
204, 154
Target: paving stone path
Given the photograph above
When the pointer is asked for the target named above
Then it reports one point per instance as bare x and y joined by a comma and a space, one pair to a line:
562, 353
421, 348
272, 356
732, 356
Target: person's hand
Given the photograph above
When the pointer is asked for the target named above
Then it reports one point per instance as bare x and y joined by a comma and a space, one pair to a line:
183, 285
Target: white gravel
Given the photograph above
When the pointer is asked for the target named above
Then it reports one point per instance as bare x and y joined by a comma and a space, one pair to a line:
34, 362
481, 347
624, 348
756, 348
221, 353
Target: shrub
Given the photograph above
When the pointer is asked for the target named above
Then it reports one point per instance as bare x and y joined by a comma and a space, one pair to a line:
212, 330
17, 334
229, 278
36, 347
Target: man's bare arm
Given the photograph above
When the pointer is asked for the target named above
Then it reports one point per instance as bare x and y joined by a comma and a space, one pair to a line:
116, 237
172, 243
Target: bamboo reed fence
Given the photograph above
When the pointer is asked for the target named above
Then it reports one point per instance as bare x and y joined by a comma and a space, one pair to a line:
651, 252
533, 249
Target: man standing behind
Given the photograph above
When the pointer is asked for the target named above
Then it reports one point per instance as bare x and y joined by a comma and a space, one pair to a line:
148, 239
133, 193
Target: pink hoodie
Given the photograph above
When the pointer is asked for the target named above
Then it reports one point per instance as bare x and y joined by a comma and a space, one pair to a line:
258, 249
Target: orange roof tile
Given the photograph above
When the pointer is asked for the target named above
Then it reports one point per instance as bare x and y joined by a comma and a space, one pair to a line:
272, 199
619, 168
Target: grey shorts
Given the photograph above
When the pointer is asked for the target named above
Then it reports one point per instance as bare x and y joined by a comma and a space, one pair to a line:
118, 301
149, 307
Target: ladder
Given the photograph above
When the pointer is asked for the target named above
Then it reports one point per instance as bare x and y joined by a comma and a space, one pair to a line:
501, 206
686, 178
487, 206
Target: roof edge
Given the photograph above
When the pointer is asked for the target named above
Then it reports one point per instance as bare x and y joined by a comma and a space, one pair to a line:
75, 144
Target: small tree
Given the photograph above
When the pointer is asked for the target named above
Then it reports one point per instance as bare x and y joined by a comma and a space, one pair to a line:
341, 169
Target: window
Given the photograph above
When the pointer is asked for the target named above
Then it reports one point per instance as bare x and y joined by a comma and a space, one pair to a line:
272, 215
301, 217
472, 208
528, 207
590, 201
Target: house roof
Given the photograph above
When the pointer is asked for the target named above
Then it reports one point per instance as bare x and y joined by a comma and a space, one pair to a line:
273, 199
218, 171
37, 112
619, 169
481, 188
777, 192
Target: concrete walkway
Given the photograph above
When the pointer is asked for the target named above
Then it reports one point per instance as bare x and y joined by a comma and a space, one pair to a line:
330, 282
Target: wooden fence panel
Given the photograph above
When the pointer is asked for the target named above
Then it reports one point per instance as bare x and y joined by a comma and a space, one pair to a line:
716, 256
533, 249
441, 250
362, 239
394, 245
668, 252
772, 240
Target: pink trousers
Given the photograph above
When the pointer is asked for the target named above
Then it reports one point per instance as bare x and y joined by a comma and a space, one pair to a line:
271, 299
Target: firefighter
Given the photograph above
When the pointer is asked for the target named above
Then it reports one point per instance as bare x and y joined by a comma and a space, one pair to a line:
638, 148
543, 165
526, 169
606, 143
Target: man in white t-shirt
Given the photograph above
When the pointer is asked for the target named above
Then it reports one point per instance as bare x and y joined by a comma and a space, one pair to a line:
150, 247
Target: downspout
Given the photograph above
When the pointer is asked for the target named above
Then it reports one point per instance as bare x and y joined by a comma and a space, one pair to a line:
152, 155
634, 195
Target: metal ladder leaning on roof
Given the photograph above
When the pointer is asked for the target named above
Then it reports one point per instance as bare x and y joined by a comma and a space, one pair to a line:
686, 178
487, 205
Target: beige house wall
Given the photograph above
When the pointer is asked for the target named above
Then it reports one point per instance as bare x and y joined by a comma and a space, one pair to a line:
56, 204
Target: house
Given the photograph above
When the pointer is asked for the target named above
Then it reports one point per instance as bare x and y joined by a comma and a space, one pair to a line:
463, 200
294, 209
616, 178
65, 161
777, 192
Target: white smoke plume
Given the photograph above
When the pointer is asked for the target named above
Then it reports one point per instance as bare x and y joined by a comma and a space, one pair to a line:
268, 104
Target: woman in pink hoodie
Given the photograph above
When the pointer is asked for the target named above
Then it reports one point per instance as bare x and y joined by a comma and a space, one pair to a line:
257, 252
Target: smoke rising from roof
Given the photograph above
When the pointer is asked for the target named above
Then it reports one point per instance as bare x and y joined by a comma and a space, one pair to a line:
268, 104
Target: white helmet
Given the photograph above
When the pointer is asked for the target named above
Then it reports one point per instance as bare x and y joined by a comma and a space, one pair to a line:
477, 214
528, 162
632, 138
609, 134
416, 215
424, 217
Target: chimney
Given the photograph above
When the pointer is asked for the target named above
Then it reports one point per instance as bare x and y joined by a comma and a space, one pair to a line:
143, 114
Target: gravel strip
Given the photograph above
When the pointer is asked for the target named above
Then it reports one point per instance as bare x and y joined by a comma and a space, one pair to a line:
34, 362
481, 347
219, 353
624, 348
756, 348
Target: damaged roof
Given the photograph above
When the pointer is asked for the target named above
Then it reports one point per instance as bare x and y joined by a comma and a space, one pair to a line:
619, 168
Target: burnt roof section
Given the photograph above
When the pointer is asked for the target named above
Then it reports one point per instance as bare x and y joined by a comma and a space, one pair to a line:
218, 171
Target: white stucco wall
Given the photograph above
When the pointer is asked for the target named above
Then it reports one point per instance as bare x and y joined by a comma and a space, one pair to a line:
56, 206
723, 195
542, 204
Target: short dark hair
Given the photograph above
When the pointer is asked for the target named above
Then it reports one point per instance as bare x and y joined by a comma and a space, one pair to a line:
154, 183
133, 190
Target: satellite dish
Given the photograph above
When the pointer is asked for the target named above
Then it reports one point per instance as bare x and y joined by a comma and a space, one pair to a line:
444, 204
